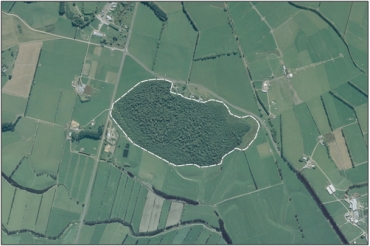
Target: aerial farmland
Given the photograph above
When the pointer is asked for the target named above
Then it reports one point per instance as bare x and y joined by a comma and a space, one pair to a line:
184, 123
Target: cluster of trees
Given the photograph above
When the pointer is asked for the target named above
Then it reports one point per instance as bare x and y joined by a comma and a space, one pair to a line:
159, 12
189, 18
62, 8
179, 130
171, 197
91, 134
9, 126
214, 56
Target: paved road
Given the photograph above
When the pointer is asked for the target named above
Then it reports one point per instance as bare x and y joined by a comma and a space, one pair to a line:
92, 178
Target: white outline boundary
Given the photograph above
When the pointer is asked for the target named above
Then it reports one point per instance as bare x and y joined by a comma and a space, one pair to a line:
210, 100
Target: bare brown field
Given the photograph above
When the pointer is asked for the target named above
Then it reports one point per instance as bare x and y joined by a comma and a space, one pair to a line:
24, 70
338, 149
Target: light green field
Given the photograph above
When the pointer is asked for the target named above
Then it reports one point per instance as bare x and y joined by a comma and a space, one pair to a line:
350, 95
218, 40
59, 220
114, 234
176, 49
17, 144
318, 113
260, 70
276, 13
164, 213
132, 73
337, 12
44, 211
356, 144
47, 151
109, 194
281, 96
11, 107
308, 127
11, 35
145, 35
215, 76
38, 15
133, 201
255, 44
170, 7
205, 213
7, 191
140, 203
152, 170
26, 177
64, 28
97, 234
292, 145
362, 116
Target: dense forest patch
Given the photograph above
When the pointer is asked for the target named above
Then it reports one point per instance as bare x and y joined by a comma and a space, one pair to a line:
179, 130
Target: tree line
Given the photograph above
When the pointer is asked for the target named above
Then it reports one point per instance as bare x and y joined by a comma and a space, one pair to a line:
90, 134
179, 130
9, 126
159, 12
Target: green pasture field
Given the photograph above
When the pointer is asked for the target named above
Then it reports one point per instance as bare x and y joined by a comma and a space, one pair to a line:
152, 169
110, 190
30, 213
168, 237
48, 148
132, 205
49, 102
205, 213
98, 192
143, 241
362, 116
181, 235
85, 112
215, 75
308, 127
282, 96
9, 239
217, 185
15, 145
321, 156
26, 177
67, 168
351, 232
85, 179
132, 73
262, 213
359, 174
175, 185
176, 48
275, 65
63, 201
136, 218
260, 70
292, 145
7, 191
38, 15
264, 170
255, 45
11, 107
44, 211
311, 82
358, 55
337, 12
164, 214
11, 36
114, 234
276, 13
106, 61
59, 220
5, 7
130, 240
145, 35
86, 234
119, 194
203, 236
318, 113
336, 210
218, 40
355, 143
170, 7
98, 233
339, 114
193, 234
75, 51
17, 210
350, 95
63, 27
214, 238
361, 81
216, 16
125, 201
65, 107
78, 177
